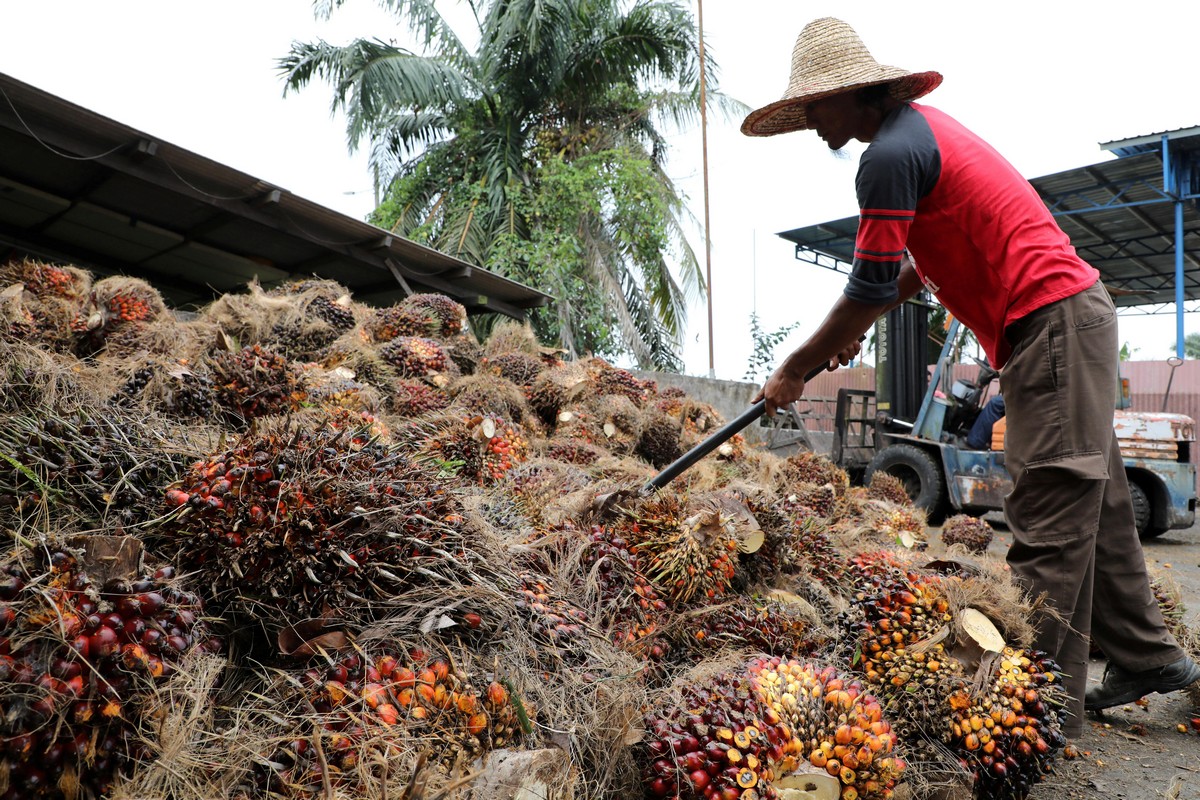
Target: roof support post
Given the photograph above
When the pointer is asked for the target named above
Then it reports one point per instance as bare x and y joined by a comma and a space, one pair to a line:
1172, 185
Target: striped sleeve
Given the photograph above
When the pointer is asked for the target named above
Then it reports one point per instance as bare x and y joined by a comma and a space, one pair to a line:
897, 170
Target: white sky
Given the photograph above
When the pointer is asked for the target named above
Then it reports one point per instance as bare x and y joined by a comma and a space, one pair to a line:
1044, 82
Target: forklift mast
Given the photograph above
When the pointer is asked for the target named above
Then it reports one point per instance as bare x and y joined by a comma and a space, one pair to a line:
902, 340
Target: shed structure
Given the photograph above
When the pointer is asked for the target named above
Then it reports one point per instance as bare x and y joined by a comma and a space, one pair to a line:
80, 188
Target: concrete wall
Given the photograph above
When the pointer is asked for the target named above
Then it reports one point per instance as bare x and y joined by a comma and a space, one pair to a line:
728, 397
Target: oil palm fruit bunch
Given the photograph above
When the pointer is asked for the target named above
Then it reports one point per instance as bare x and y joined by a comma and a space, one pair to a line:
573, 452
610, 380
44, 280
386, 324
555, 622
555, 389
902, 524
464, 351
659, 440
688, 556
626, 602
255, 382
104, 465
898, 609
407, 397
17, 322
620, 422
76, 660
368, 703
807, 546
745, 622
337, 389
739, 734
448, 315
117, 310
1008, 734
522, 369
303, 525
820, 498
807, 467
885, 486
172, 389
415, 356
480, 449
53, 296
972, 533
325, 300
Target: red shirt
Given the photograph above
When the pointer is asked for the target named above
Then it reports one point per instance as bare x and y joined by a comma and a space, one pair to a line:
982, 239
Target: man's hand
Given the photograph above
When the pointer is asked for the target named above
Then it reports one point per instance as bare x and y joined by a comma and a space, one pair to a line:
786, 386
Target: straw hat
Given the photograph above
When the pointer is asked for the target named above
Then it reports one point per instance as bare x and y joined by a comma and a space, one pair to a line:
829, 59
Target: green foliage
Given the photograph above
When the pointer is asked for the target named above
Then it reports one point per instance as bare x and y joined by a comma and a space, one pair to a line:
539, 154
762, 359
1191, 346
1126, 352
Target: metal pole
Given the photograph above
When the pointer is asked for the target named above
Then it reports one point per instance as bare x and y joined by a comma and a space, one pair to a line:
704, 158
1171, 184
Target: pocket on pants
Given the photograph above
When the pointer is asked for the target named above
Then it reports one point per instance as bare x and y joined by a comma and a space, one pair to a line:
1059, 499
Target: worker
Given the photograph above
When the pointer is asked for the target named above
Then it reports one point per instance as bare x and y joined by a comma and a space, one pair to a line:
980, 435
985, 244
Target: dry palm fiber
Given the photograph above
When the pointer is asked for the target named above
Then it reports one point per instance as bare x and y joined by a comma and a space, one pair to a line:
299, 324
33, 378
464, 350
511, 336
100, 465
489, 394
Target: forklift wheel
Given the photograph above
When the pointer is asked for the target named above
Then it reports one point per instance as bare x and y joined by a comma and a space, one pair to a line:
920, 474
1142, 513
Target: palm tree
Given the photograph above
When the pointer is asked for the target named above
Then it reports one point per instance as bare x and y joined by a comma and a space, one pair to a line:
538, 153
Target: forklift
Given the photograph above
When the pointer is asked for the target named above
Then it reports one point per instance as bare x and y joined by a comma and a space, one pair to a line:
914, 427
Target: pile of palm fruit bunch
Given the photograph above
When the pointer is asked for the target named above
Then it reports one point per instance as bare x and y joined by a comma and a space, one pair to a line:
378, 556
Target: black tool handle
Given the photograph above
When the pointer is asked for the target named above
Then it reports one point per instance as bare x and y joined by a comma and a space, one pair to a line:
679, 465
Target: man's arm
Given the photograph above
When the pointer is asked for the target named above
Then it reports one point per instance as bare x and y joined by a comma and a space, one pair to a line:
835, 341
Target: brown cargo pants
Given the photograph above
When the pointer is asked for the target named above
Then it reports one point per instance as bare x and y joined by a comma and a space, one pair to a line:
1069, 511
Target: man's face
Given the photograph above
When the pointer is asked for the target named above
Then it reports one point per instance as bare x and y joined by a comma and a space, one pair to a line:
836, 119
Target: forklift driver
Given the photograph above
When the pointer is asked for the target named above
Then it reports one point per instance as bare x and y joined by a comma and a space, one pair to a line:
985, 244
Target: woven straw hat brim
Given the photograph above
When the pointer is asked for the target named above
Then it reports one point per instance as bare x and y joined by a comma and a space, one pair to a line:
786, 115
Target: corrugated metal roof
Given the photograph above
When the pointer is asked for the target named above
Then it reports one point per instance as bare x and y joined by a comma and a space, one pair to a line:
1119, 218
79, 187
